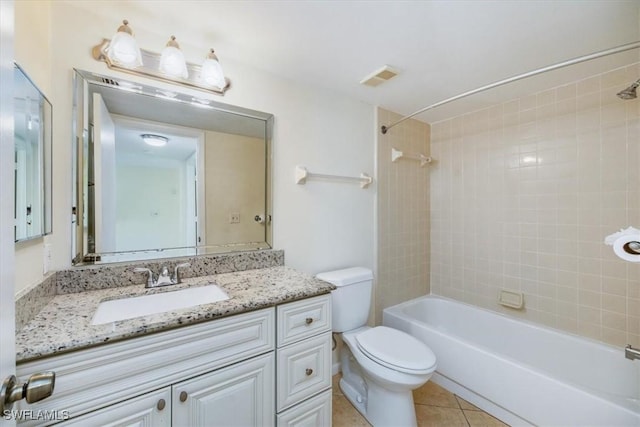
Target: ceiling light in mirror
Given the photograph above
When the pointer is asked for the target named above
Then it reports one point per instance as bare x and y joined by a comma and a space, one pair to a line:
154, 140
211, 71
172, 60
123, 48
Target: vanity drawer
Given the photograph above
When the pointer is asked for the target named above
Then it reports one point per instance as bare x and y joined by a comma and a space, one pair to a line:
302, 319
304, 369
313, 412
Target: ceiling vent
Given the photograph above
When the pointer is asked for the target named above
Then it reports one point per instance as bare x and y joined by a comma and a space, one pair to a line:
379, 76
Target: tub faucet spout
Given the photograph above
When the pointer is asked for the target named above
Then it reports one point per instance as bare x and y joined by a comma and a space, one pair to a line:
631, 353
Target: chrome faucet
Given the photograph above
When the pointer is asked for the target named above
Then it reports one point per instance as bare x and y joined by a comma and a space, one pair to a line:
164, 279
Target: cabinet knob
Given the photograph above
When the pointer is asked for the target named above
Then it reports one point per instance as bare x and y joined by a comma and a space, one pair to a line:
308, 371
183, 396
308, 320
161, 404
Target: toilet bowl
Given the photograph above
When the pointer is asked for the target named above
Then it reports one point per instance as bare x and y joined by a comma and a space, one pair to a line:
380, 366
379, 375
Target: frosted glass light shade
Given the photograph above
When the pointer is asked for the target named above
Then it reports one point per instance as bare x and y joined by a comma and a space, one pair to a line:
211, 71
123, 48
154, 140
172, 60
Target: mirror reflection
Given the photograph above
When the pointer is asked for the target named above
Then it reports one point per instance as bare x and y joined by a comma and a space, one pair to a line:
165, 174
32, 129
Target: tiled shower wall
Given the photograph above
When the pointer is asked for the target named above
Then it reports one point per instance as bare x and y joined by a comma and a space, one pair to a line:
403, 214
522, 196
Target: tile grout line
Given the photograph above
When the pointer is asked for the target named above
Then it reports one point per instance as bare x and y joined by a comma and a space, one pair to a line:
464, 414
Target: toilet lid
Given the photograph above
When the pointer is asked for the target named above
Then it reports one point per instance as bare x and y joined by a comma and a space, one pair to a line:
396, 350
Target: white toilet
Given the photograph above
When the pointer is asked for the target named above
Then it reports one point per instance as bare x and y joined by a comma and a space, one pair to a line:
380, 366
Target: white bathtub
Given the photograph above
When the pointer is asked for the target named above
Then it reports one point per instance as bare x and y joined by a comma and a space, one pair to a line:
522, 373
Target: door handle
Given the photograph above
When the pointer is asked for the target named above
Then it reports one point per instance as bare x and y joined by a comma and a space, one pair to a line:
39, 386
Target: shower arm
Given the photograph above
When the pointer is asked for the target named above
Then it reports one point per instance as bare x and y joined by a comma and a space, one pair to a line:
617, 49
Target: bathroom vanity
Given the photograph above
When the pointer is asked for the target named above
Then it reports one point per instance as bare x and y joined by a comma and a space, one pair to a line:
262, 357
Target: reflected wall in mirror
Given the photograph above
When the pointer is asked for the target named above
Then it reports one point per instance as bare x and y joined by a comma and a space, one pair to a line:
32, 129
163, 174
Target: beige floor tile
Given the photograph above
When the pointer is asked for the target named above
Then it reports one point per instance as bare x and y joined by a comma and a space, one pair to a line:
482, 419
432, 394
466, 405
345, 415
335, 385
435, 407
437, 416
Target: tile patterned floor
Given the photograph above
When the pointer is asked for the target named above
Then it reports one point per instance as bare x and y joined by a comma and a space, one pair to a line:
435, 407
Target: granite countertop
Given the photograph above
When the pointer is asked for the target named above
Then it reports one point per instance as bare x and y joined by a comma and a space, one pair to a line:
65, 323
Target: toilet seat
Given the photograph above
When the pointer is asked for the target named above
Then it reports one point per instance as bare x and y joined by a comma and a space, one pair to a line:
396, 350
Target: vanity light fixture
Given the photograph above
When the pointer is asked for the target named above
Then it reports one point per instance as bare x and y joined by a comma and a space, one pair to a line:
211, 71
122, 53
123, 48
154, 140
172, 60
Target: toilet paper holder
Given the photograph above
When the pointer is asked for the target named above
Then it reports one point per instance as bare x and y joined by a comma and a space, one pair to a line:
626, 244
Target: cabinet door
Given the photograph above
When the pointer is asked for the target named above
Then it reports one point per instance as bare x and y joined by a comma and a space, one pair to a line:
151, 409
240, 395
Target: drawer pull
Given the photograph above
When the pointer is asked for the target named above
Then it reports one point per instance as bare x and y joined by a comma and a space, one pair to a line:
161, 404
183, 396
308, 371
308, 320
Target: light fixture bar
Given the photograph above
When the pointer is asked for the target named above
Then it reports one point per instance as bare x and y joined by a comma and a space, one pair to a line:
151, 62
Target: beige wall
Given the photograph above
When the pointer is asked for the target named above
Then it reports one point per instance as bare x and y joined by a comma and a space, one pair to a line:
234, 183
522, 196
403, 214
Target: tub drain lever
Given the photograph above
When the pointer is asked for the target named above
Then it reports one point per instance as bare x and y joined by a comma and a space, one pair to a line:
631, 353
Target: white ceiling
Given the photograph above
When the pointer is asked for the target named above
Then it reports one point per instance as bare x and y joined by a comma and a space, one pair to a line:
442, 48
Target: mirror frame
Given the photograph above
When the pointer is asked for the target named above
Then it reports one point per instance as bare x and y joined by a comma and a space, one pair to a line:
81, 119
45, 178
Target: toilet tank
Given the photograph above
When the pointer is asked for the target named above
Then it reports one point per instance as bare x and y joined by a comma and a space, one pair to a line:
351, 300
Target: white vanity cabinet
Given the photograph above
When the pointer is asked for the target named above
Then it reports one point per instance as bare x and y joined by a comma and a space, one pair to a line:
215, 363
239, 395
303, 363
261, 368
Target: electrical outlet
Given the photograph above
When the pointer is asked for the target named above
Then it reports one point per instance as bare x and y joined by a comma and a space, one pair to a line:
234, 218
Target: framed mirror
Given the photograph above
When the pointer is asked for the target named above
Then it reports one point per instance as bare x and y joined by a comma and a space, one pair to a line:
164, 173
33, 138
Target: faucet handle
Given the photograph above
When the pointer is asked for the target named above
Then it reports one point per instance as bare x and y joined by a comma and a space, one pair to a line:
176, 272
150, 280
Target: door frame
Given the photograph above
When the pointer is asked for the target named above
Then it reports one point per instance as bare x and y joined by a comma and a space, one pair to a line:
7, 220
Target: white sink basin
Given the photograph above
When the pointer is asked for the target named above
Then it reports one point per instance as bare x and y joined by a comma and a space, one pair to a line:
128, 308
